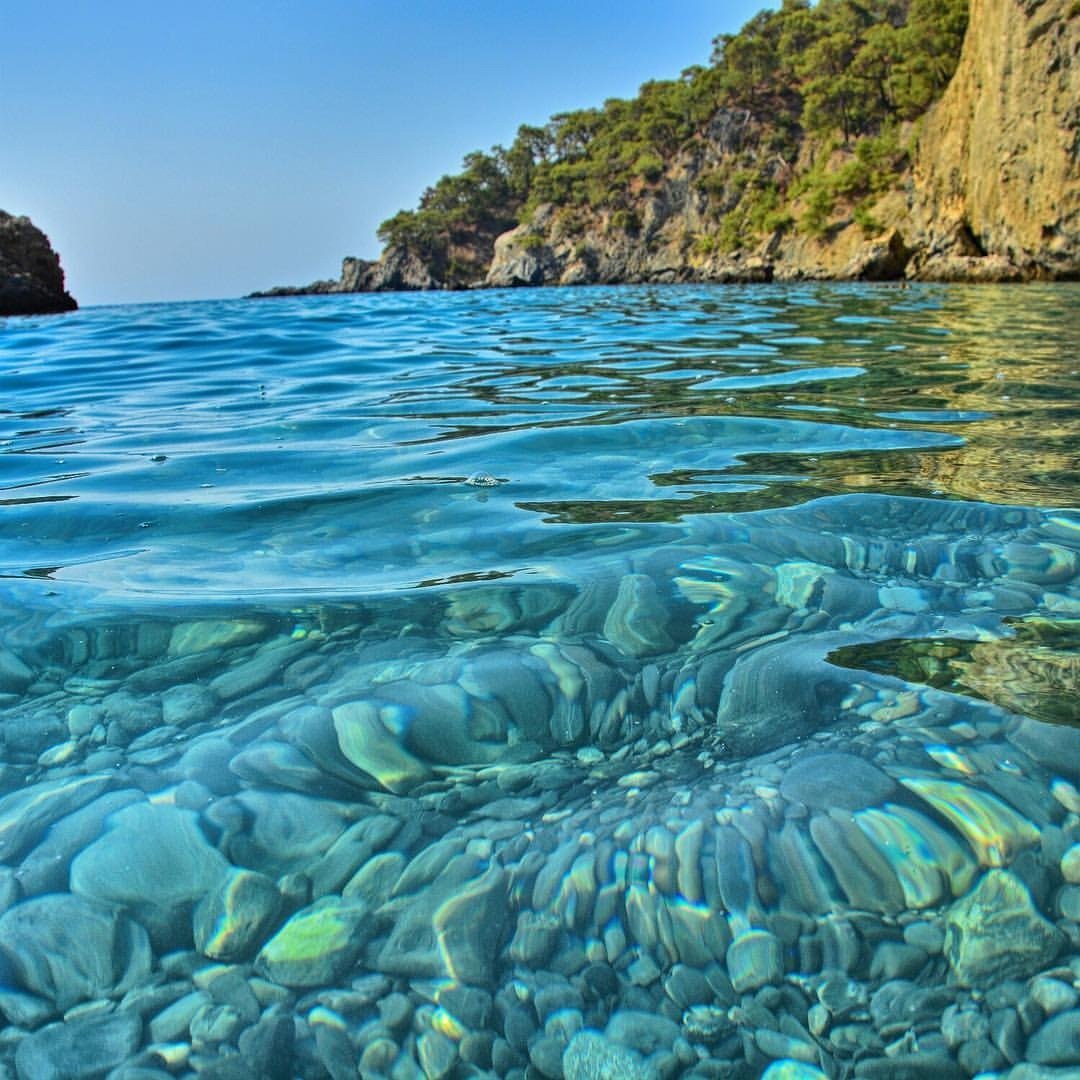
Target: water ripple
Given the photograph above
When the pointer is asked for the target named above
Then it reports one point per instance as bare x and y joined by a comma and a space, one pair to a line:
124, 425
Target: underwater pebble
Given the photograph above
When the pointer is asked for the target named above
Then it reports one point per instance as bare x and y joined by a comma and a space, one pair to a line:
1066, 794
824, 780
635, 623
895, 960
437, 1055
546, 1055
333, 1047
15, 675
173, 1022
78, 1049
926, 936
45, 868
453, 929
793, 1070
979, 1056
995, 932
1069, 903
1052, 995
755, 959
378, 1057
395, 1010
641, 1031
187, 704
81, 720
552, 999
1007, 1034
1057, 1042
706, 1023
909, 1067
962, 1025
202, 635
153, 859
687, 986
27, 812
1070, 865
25, 1010
69, 949
234, 917
591, 1056
316, 945
214, 1024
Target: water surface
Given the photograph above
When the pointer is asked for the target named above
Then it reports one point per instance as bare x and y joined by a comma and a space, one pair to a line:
681, 679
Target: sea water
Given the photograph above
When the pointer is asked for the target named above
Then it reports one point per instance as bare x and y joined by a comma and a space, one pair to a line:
638, 682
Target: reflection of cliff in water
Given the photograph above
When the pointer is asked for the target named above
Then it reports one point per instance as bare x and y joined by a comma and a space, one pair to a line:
1036, 673
1016, 384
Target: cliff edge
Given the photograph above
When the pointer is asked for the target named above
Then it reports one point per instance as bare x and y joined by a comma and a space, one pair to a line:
997, 173
31, 278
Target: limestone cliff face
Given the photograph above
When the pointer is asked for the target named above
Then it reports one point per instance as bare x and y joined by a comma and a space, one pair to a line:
665, 244
997, 171
31, 280
993, 193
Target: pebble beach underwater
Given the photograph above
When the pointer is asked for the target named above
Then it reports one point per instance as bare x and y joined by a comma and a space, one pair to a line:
561, 684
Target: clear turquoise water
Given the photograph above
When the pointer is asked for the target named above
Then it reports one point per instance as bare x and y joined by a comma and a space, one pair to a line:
384, 603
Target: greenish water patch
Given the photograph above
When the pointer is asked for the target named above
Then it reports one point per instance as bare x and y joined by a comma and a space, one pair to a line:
1035, 672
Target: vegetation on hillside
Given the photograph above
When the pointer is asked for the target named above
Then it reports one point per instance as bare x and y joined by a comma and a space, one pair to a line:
807, 103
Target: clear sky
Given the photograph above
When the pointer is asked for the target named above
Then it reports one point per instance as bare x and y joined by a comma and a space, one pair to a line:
204, 149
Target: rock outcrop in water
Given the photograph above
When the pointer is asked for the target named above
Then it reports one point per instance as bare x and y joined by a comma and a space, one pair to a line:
984, 185
31, 279
397, 271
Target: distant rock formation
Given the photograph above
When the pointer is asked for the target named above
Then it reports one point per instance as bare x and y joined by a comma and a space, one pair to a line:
396, 271
31, 279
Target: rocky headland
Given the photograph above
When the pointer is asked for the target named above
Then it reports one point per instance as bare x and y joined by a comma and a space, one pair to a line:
31, 278
765, 166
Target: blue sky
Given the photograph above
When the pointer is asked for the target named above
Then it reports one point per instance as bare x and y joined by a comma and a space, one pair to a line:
197, 150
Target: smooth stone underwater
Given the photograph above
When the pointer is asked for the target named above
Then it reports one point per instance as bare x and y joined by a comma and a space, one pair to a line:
78, 1049
69, 949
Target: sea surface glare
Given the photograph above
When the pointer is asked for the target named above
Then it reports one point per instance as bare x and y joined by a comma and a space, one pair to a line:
543, 685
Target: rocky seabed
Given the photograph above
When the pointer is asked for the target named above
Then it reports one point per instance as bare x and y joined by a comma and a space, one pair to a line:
642, 828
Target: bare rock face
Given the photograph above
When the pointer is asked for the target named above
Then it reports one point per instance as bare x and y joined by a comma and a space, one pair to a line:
31, 280
520, 261
397, 270
652, 251
997, 171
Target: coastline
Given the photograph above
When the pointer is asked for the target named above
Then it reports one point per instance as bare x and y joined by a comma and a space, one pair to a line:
984, 187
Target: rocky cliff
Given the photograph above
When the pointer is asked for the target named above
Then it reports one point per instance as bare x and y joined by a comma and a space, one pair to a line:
997, 174
31, 279
993, 193
984, 185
